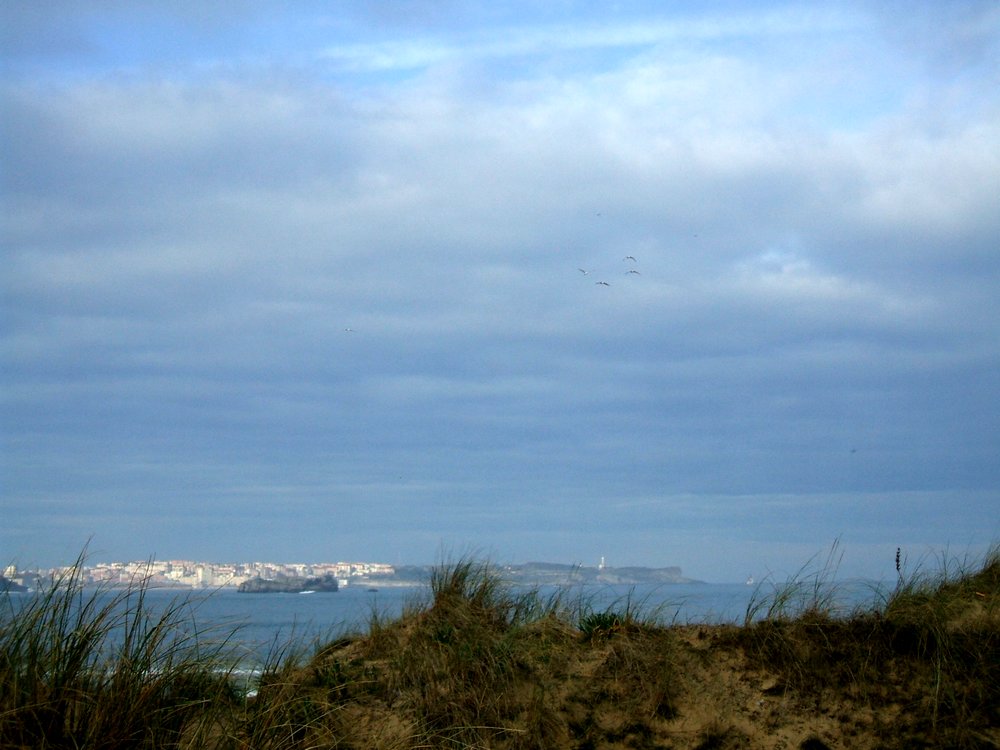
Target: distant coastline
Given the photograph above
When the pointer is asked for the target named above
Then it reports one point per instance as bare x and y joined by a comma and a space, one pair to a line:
256, 577
541, 574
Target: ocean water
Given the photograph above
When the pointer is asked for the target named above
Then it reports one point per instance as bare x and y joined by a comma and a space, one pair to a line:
264, 621
263, 624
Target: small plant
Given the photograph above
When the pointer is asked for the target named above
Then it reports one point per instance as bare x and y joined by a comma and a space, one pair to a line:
808, 590
596, 625
624, 614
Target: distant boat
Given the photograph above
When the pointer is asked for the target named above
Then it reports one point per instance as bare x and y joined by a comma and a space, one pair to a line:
308, 591
749, 580
373, 590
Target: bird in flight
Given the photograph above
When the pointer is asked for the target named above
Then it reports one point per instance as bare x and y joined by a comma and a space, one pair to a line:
634, 271
585, 273
631, 258
602, 283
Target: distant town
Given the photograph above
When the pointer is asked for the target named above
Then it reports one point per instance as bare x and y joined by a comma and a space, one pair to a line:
201, 575
207, 575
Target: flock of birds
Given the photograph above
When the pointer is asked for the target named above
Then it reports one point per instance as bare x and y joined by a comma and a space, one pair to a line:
630, 259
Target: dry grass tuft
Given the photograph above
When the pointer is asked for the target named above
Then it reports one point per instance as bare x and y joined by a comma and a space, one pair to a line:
932, 646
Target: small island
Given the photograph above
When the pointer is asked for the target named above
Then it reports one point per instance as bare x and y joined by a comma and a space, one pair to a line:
7, 585
289, 585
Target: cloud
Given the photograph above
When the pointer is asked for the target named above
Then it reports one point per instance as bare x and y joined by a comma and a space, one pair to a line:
304, 284
947, 41
546, 40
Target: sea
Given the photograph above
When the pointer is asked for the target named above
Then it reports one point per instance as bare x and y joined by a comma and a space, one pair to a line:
261, 623
263, 627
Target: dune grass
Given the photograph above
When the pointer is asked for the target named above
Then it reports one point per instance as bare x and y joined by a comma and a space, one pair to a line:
931, 646
478, 663
96, 669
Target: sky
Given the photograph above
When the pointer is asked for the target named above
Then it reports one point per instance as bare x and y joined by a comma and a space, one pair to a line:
707, 284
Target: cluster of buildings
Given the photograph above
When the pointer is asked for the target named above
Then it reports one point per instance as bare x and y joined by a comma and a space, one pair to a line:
201, 574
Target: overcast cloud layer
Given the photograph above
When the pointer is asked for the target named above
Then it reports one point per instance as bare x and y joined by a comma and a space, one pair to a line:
306, 282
